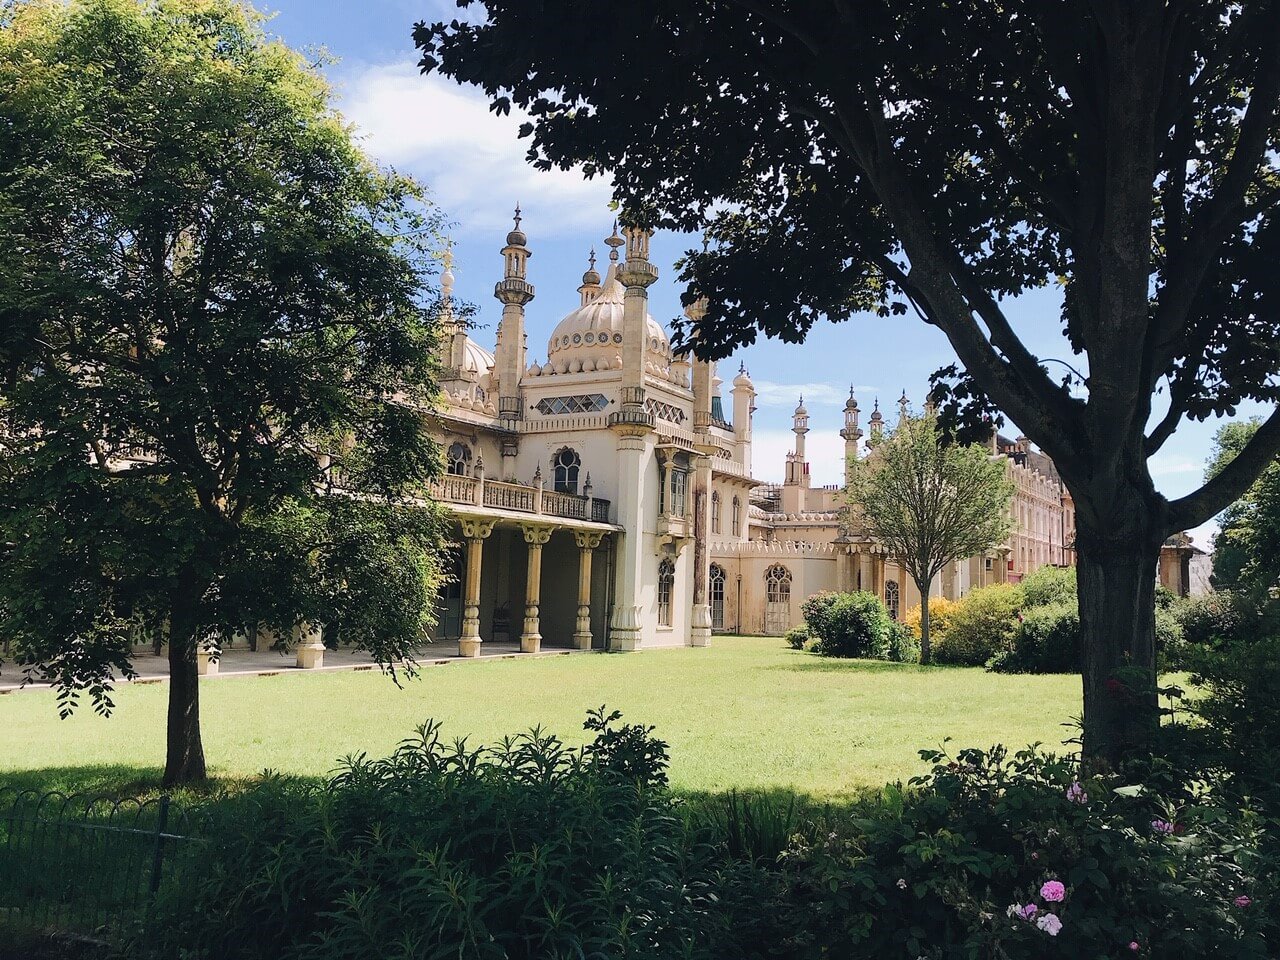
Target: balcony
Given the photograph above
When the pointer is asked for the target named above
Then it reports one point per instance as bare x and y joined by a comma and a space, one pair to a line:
518, 498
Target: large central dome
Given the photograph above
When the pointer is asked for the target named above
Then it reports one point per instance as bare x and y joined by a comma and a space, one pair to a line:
590, 338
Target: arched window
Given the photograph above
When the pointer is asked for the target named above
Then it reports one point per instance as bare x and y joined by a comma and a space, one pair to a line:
717, 596
715, 512
777, 582
459, 459
891, 597
566, 466
666, 584
735, 517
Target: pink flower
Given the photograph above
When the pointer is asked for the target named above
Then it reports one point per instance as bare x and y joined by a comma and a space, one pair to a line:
1076, 793
1162, 826
1133, 945
1053, 891
1050, 924
1242, 901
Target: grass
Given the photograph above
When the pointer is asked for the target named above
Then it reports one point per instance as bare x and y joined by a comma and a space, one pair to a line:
745, 714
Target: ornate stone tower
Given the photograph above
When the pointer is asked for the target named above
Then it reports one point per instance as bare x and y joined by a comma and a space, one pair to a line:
851, 433
513, 291
877, 423
590, 288
703, 388
797, 467
633, 424
744, 397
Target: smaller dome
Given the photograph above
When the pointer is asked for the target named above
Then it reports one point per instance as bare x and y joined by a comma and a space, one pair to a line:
476, 358
800, 410
743, 379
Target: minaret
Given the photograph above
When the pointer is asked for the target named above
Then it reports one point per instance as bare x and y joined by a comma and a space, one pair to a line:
903, 404
800, 426
590, 288
744, 396
852, 433
453, 337
877, 423
634, 426
514, 291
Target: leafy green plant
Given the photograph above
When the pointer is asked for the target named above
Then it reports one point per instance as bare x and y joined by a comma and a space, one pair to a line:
983, 624
853, 625
530, 849
1047, 584
903, 647
797, 637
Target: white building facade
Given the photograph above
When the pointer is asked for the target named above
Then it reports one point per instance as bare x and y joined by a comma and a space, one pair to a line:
603, 498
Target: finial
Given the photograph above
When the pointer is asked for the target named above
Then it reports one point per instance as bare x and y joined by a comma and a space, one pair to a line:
851, 391
446, 278
517, 216
705, 242
742, 366
614, 241
591, 259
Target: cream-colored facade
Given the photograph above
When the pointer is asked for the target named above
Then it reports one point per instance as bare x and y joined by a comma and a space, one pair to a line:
604, 497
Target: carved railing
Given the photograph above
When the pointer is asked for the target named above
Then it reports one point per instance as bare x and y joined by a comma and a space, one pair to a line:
510, 496
518, 498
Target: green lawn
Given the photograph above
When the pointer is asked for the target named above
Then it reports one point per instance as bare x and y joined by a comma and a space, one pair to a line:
745, 713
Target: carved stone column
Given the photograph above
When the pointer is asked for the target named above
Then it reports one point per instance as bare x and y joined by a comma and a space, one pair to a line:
475, 531
536, 537
587, 541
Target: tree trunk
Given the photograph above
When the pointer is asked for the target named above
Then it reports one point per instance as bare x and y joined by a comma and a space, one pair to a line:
184, 758
926, 645
1116, 572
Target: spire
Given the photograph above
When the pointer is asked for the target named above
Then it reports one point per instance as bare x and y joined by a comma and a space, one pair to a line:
590, 288
851, 403
614, 241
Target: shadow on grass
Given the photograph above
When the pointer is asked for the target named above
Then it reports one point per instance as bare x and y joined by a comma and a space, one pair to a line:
117, 781
814, 663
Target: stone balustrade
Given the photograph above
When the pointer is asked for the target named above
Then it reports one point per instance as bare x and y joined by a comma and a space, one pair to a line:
518, 498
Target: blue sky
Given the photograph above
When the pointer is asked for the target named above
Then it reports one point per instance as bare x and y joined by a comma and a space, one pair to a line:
474, 165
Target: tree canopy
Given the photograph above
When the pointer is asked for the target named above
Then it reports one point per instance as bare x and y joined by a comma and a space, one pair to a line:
216, 345
939, 160
930, 502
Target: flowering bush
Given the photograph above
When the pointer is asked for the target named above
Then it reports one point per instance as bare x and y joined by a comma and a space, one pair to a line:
981, 625
993, 855
940, 611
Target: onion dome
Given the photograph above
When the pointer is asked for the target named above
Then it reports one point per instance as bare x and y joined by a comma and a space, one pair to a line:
743, 379
800, 410
516, 237
593, 333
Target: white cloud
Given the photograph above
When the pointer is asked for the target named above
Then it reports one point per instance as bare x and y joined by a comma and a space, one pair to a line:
1161, 466
769, 393
824, 451
471, 159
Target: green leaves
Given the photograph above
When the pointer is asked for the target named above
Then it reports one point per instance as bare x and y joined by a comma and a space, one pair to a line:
214, 316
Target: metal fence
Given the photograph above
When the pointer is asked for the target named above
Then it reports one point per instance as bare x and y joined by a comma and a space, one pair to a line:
82, 864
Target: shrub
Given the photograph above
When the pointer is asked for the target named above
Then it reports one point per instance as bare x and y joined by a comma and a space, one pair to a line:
940, 611
1049, 585
857, 625
817, 612
1213, 620
903, 645
983, 624
1241, 703
1046, 640
797, 637
529, 849
994, 855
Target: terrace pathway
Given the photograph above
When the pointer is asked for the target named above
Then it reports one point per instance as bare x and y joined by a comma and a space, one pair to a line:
246, 663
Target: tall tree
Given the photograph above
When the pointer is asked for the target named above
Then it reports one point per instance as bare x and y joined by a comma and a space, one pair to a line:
871, 155
930, 502
215, 349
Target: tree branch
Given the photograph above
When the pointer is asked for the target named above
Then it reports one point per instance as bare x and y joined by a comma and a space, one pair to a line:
1230, 483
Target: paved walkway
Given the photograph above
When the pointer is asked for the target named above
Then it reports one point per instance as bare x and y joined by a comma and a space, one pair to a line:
245, 663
